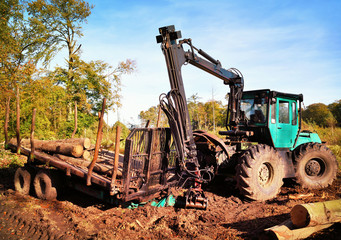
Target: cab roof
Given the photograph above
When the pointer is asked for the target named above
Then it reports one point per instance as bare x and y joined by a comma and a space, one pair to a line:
271, 93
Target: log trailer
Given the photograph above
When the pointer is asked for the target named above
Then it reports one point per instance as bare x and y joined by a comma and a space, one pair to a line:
263, 144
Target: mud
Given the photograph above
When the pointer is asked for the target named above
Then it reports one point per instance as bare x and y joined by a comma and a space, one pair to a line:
77, 216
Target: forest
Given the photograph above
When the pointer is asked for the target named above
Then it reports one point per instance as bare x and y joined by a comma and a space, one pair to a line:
32, 33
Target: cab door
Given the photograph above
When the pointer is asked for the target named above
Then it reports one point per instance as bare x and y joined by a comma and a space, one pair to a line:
286, 122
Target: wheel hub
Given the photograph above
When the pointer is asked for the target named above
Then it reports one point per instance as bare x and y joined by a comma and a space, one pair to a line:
313, 168
264, 174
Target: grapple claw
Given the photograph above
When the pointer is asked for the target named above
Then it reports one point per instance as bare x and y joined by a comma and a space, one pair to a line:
195, 198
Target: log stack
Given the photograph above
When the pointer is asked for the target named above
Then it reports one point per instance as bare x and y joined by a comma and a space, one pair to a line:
76, 151
73, 147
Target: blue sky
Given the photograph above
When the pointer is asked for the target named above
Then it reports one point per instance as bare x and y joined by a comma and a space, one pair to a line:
283, 45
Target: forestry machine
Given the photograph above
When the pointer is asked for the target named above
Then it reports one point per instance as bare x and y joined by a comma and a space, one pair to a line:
263, 142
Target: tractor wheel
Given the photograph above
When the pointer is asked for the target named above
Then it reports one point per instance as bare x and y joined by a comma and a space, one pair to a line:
44, 186
22, 181
315, 166
259, 173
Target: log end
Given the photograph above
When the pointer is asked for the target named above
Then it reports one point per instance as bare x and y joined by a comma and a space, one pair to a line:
77, 150
86, 155
299, 216
87, 143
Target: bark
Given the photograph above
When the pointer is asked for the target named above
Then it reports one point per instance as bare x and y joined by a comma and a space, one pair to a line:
31, 157
117, 154
312, 214
286, 231
6, 121
99, 168
18, 120
75, 130
85, 142
27, 143
98, 142
68, 149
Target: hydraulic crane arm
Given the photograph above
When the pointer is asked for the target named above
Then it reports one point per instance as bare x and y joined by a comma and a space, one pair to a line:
176, 106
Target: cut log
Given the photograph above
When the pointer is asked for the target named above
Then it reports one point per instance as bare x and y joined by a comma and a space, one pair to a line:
85, 142
68, 149
312, 214
99, 168
74, 161
287, 231
86, 155
27, 143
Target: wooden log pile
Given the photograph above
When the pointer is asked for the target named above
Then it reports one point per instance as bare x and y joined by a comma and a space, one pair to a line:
76, 151
306, 219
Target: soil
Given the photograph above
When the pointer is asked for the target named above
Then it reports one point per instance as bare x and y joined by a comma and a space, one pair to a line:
78, 216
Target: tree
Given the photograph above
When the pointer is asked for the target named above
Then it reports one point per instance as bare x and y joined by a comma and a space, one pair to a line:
23, 43
151, 115
85, 82
335, 109
63, 19
94, 81
320, 114
193, 108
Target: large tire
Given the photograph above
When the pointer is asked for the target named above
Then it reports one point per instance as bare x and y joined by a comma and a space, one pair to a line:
315, 166
259, 173
22, 181
44, 186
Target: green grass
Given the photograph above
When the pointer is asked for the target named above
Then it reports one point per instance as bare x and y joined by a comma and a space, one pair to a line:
332, 137
10, 160
336, 149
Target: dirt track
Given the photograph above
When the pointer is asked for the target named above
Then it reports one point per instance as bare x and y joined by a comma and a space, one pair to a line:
76, 216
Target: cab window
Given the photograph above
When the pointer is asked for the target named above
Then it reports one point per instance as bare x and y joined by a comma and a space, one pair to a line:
283, 112
294, 113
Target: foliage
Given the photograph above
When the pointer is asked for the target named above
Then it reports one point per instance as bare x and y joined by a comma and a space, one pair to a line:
33, 31
336, 149
320, 114
330, 135
335, 109
151, 115
10, 160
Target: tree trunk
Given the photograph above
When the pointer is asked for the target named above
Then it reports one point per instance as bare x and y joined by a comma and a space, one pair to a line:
75, 130
8, 100
31, 157
286, 231
312, 214
18, 121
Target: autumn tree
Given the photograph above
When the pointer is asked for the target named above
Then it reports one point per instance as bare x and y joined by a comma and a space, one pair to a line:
151, 115
85, 82
335, 109
320, 114
193, 108
23, 43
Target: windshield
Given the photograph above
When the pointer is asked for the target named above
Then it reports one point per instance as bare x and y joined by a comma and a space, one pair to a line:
255, 111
